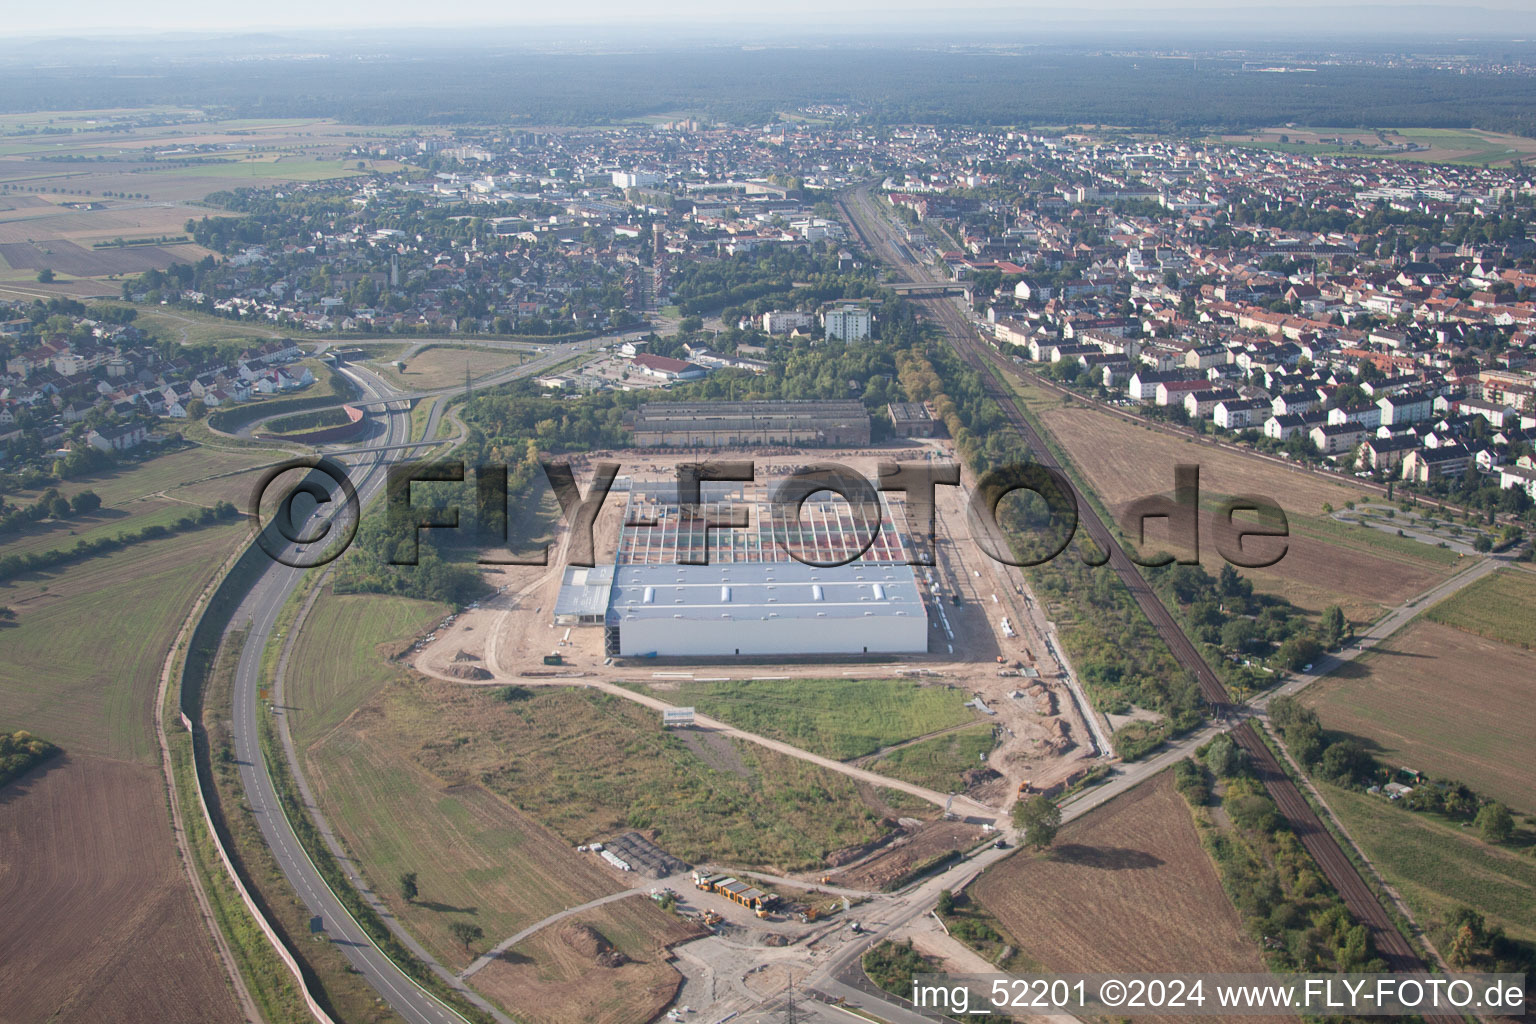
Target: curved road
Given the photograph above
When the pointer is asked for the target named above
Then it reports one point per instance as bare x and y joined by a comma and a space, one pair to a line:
259, 610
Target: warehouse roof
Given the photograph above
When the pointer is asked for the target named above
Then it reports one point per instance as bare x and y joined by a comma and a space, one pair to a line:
757, 590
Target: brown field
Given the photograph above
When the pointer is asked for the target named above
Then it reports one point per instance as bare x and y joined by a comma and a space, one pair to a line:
1127, 888
99, 924
552, 978
68, 258
1443, 701
1123, 462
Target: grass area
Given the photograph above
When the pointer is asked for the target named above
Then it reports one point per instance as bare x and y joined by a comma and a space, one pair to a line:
938, 762
281, 169
1443, 701
1444, 145
267, 978
95, 693
841, 718
1366, 538
440, 366
1438, 867
477, 858
554, 978
1364, 571
191, 328
1501, 606
167, 473
421, 414
589, 765
336, 663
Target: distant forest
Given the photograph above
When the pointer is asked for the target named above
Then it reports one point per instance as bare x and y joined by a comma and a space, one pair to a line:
882, 85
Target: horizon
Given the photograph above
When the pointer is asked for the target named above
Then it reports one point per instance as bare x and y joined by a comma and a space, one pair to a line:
177, 19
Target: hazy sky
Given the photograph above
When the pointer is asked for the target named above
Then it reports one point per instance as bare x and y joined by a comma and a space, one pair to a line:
91, 16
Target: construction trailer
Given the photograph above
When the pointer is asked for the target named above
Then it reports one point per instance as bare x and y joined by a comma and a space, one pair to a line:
748, 896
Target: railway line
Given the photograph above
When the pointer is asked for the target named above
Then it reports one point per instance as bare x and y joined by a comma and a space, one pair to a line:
1303, 820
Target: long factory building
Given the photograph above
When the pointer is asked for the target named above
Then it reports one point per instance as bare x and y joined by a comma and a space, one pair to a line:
752, 597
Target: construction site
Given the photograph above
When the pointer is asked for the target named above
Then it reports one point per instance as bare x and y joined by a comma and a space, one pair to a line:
644, 616
684, 597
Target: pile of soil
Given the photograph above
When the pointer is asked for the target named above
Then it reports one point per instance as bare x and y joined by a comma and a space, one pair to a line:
467, 672
592, 944
464, 655
978, 776
1057, 739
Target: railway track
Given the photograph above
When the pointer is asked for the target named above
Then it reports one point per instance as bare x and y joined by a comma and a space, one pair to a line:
1303, 820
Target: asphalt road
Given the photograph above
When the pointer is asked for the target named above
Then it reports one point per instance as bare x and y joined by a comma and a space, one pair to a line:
259, 613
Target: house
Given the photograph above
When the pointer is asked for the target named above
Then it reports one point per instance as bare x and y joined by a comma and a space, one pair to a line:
1282, 426
846, 323
1428, 464
1362, 414
1173, 392
911, 419
1240, 413
1295, 402
117, 439
1144, 382
1523, 477
1199, 404
1336, 438
1405, 407
1386, 453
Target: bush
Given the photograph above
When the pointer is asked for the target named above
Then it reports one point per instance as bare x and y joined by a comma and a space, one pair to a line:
20, 751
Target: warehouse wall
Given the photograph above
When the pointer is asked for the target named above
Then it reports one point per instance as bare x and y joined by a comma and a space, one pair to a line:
887, 633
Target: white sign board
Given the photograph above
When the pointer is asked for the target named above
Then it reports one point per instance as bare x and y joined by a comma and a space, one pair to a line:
674, 718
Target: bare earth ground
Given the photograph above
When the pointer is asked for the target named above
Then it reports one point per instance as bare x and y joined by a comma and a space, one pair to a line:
553, 978
1156, 901
1123, 462
1444, 701
89, 872
903, 856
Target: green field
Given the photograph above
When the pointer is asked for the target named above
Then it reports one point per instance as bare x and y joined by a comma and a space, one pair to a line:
1437, 867
289, 169
83, 658
938, 762
336, 665
133, 516
476, 856
1500, 606
1369, 539
589, 765
169, 473
1446, 145
841, 718
191, 328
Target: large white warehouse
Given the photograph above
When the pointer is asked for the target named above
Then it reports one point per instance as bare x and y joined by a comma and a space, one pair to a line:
758, 608
750, 596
